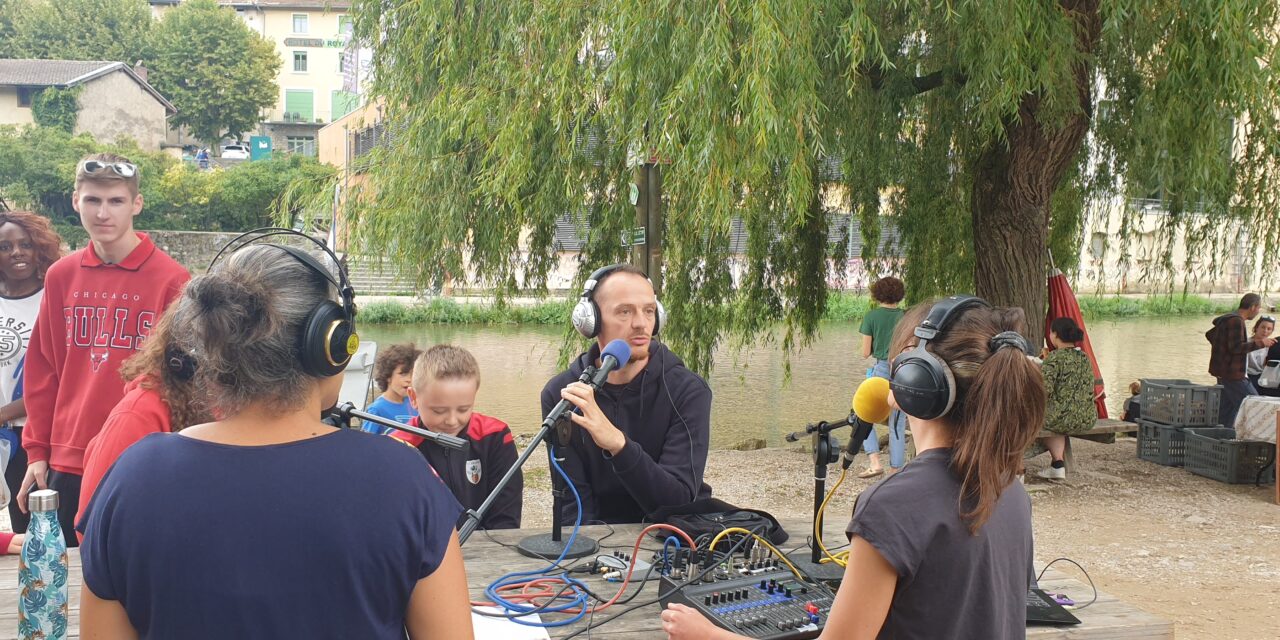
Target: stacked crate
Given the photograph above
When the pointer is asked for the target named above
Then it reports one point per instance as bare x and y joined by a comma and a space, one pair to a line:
1169, 407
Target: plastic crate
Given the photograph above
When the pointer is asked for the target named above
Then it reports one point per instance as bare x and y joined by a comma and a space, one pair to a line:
1215, 453
1160, 443
1180, 403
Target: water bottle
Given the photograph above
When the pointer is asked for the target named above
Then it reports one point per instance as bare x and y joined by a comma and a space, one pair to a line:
42, 572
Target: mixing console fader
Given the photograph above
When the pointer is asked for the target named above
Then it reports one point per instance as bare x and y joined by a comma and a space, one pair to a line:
755, 601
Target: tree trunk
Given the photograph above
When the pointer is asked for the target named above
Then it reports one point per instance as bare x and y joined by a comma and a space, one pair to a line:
1013, 183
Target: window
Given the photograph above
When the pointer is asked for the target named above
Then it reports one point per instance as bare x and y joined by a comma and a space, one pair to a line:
299, 105
344, 102
299, 23
301, 145
342, 63
24, 96
346, 26
299, 61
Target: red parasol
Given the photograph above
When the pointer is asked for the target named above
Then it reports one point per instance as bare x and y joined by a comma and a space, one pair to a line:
1062, 303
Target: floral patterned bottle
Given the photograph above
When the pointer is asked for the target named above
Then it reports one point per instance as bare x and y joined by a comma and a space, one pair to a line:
42, 572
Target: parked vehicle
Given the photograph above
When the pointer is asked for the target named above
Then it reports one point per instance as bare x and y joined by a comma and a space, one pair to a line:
235, 151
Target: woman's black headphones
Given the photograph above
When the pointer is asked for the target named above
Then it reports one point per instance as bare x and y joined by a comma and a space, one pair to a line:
328, 339
922, 383
586, 314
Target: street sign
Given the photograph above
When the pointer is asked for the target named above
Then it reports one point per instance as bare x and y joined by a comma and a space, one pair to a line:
633, 237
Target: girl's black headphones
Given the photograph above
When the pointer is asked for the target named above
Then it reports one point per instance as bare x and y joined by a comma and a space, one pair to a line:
586, 314
328, 339
922, 383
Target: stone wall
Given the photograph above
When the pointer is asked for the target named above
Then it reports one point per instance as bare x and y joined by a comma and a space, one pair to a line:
194, 249
115, 105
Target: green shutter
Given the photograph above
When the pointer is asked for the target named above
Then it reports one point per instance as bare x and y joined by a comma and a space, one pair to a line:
344, 102
301, 102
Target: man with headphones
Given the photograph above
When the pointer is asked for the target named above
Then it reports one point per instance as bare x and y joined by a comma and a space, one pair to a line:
642, 438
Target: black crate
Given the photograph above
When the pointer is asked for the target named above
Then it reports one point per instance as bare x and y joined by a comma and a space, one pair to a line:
1217, 454
1180, 403
1160, 443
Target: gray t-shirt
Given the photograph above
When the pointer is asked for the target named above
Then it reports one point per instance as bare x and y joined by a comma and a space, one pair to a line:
950, 584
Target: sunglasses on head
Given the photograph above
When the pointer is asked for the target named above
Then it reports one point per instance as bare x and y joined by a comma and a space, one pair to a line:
122, 169
1270, 319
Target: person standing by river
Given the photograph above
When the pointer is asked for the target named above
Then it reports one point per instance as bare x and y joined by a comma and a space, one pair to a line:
877, 331
1231, 347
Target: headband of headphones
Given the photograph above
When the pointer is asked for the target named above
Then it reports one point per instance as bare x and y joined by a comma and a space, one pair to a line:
585, 316
342, 283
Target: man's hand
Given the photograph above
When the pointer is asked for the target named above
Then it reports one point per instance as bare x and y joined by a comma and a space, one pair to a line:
683, 623
37, 475
1267, 342
603, 433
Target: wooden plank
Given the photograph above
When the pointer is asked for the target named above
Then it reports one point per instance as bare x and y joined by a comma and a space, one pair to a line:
488, 556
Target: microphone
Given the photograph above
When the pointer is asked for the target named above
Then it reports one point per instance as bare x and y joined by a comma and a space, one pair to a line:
870, 405
615, 355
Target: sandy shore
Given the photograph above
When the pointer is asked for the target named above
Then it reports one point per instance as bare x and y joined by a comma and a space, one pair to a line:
1201, 553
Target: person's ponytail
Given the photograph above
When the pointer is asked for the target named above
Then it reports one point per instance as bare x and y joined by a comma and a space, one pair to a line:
1002, 411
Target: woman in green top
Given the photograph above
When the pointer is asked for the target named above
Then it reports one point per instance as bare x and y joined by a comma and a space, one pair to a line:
1068, 384
877, 331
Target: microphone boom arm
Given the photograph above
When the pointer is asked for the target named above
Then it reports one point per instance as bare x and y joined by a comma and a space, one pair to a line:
346, 410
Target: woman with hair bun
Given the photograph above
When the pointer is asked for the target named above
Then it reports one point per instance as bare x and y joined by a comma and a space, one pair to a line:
261, 524
1068, 385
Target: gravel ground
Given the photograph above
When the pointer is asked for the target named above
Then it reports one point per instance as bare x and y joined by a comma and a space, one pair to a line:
1190, 549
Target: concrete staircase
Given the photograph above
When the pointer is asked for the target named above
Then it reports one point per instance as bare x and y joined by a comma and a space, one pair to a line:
370, 278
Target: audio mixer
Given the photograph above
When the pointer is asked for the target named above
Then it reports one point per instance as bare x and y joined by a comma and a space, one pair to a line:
755, 598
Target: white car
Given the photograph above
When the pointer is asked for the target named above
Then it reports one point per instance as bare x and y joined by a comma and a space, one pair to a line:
235, 151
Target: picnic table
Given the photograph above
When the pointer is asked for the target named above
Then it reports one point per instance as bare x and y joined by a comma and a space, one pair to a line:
1104, 430
489, 556
1259, 419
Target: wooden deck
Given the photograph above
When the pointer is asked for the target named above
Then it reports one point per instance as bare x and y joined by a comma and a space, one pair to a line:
487, 558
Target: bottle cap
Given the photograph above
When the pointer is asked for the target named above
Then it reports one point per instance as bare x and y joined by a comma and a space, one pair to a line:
43, 500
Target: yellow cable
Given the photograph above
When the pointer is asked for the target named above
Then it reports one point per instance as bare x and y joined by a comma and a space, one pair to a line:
841, 558
781, 556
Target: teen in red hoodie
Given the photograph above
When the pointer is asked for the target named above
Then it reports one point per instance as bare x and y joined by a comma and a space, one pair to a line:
100, 303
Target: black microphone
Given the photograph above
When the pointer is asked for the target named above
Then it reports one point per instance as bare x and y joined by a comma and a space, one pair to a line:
615, 355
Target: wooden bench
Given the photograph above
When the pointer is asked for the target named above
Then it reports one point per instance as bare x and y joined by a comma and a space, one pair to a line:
1104, 430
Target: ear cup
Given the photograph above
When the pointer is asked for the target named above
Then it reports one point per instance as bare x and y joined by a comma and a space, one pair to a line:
922, 384
661, 319
328, 340
585, 317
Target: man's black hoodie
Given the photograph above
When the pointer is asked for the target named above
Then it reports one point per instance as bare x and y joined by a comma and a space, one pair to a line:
665, 413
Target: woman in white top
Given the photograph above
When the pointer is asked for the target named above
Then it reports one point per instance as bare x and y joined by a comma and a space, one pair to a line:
28, 246
1257, 359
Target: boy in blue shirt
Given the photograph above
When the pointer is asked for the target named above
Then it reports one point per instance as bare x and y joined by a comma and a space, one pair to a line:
393, 372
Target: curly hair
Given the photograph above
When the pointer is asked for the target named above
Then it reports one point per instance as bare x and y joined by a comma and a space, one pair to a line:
888, 290
175, 386
47, 242
393, 359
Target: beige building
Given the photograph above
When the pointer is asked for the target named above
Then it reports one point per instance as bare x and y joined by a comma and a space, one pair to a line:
115, 100
320, 75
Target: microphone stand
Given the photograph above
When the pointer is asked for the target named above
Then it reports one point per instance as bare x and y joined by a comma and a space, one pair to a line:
548, 546
346, 410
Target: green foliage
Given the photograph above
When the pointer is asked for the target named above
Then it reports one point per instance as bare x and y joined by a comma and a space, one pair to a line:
75, 29
1156, 305
447, 311
508, 115
37, 170
57, 108
218, 72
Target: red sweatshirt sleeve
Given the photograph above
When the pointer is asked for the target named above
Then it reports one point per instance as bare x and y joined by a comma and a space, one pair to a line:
40, 376
140, 413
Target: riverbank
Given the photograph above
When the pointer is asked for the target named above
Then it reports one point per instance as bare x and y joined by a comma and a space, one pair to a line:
1201, 553
841, 307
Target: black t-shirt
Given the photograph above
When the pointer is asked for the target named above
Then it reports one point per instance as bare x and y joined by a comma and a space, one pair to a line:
951, 584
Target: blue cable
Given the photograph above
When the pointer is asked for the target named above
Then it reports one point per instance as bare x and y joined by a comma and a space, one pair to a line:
666, 562
579, 598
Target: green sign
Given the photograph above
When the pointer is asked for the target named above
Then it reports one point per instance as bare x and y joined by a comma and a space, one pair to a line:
633, 237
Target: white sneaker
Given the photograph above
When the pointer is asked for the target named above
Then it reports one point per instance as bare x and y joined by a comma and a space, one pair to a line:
1052, 473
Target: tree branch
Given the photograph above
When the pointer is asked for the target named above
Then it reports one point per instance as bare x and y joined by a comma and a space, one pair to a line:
922, 84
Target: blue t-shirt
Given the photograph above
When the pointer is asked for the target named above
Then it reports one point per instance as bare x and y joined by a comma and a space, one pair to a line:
204, 540
400, 412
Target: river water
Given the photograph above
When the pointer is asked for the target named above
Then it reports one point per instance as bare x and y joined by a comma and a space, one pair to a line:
752, 397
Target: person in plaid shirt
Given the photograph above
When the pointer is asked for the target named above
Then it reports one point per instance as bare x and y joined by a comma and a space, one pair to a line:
1231, 345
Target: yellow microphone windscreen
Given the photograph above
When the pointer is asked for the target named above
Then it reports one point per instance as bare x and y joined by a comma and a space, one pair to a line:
871, 400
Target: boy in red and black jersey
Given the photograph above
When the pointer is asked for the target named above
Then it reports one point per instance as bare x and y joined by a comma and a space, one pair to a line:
445, 382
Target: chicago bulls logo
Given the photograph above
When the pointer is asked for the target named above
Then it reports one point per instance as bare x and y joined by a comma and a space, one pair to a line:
97, 358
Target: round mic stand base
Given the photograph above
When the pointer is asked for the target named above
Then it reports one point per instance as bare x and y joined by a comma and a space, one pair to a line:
544, 547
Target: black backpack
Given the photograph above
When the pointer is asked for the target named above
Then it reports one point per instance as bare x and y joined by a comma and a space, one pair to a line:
710, 516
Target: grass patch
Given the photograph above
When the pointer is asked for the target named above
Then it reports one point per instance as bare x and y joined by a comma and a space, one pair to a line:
841, 307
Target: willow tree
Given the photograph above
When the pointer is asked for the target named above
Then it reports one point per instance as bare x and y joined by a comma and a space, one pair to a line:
977, 129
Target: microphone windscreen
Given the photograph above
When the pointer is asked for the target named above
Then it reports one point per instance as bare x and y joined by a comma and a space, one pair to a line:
619, 350
871, 400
